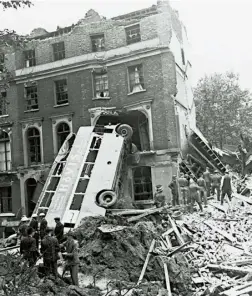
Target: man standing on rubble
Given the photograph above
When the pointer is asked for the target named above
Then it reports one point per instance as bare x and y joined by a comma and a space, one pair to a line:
183, 185
23, 227
202, 190
174, 189
226, 187
216, 183
59, 230
43, 225
28, 247
34, 225
159, 197
49, 250
71, 257
194, 195
207, 178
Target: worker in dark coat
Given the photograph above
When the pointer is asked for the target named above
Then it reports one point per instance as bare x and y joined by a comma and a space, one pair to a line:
71, 257
202, 190
49, 250
207, 178
28, 247
43, 225
226, 187
216, 183
59, 230
194, 194
34, 225
159, 197
23, 227
174, 189
183, 185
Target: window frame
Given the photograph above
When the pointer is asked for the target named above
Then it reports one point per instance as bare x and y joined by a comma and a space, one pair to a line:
3, 101
30, 99
96, 74
8, 198
57, 133
30, 57
37, 143
64, 93
128, 30
141, 76
7, 162
59, 53
142, 193
94, 38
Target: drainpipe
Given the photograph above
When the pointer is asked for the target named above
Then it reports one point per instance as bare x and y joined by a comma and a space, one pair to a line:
177, 124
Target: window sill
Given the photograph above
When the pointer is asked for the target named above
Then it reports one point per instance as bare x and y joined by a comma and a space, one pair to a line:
32, 110
6, 115
136, 92
62, 105
145, 202
101, 98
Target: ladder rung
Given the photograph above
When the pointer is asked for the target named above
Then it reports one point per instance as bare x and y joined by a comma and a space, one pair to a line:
79, 193
50, 191
84, 178
94, 149
88, 162
55, 176
62, 161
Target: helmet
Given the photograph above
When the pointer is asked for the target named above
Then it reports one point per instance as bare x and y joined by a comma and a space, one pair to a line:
42, 215
24, 219
34, 216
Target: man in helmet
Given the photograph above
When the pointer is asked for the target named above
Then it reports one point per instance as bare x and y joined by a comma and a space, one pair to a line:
159, 197
28, 247
202, 190
24, 224
59, 230
226, 187
194, 195
207, 178
216, 183
183, 184
49, 250
43, 225
174, 190
34, 225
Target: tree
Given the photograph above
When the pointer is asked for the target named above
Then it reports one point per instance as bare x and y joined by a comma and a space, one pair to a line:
222, 108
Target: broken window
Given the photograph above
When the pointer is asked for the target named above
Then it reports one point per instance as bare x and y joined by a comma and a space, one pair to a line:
101, 84
5, 152
136, 78
31, 94
61, 92
142, 183
3, 103
5, 199
133, 34
33, 136
183, 56
29, 57
59, 51
98, 42
63, 130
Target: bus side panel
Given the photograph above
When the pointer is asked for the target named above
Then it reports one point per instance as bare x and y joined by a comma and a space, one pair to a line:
103, 174
69, 175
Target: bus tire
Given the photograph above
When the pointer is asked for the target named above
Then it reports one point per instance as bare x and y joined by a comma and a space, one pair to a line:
107, 199
125, 131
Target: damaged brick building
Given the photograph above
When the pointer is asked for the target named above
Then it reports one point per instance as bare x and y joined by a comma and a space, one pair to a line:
134, 69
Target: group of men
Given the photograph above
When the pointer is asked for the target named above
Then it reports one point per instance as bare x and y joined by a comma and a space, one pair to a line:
187, 191
51, 242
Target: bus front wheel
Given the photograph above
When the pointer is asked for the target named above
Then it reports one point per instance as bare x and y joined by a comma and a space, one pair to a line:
125, 131
107, 199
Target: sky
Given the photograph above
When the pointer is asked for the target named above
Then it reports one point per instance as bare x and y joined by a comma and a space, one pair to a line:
219, 31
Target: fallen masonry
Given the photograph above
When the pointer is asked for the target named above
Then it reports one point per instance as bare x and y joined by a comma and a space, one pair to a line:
159, 253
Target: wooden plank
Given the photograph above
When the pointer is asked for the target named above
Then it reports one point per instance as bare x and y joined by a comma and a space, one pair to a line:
146, 261
174, 226
241, 292
152, 211
107, 228
226, 268
169, 231
239, 262
236, 288
243, 198
218, 207
167, 280
226, 220
221, 232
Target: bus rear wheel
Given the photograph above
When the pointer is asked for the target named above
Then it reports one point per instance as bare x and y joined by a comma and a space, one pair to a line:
125, 131
107, 199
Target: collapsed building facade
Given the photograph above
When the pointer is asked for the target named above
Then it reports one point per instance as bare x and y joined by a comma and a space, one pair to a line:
133, 69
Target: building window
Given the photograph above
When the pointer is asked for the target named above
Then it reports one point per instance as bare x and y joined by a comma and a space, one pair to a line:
183, 56
5, 152
1, 62
34, 149
31, 94
3, 103
29, 56
5, 199
98, 42
63, 130
101, 85
59, 51
133, 34
142, 184
136, 79
61, 92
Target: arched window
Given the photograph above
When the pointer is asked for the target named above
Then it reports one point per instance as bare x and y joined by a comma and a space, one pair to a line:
5, 152
142, 183
34, 146
63, 130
